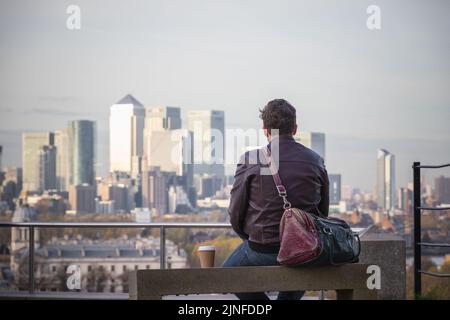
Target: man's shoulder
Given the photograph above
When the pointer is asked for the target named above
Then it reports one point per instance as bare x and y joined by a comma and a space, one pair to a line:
249, 160
306, 154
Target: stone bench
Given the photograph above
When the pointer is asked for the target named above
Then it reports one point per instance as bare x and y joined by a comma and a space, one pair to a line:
349, 281
386, 251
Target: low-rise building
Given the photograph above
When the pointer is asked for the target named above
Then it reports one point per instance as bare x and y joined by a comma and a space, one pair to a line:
103, 264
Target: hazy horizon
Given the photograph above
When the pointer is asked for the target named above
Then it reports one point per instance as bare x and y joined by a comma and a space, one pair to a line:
365, 89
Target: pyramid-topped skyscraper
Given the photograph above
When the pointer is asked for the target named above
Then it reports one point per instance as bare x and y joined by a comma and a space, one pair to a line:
126, 127
129, 99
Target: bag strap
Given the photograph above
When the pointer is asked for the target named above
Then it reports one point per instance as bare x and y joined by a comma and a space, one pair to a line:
276, 178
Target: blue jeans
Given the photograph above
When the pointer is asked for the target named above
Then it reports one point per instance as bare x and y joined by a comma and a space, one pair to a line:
245, 256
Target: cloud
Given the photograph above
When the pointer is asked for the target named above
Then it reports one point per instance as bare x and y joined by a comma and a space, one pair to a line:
6, 110
57, 112
8, 132
56, 106
59, 99
44, 111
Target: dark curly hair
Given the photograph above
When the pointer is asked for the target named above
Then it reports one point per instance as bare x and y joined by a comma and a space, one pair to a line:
279, 114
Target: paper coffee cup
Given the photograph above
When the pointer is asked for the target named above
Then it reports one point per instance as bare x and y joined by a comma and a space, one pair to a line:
206, 255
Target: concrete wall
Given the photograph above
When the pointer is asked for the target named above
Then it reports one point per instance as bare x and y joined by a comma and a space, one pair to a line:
388, 251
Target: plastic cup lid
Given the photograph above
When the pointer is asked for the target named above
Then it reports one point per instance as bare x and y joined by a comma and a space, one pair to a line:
206, 248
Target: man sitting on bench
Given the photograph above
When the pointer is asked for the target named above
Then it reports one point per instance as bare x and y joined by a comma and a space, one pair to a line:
255, 207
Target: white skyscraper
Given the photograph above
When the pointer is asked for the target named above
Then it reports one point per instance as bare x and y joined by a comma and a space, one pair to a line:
386, 191
126, 129
162, 118
170, 150
312, 140
208, 127
161, 123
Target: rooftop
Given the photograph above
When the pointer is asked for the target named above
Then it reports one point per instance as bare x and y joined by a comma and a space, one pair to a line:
129, 99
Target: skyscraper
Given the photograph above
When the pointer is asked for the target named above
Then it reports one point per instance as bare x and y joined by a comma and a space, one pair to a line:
208, 127
405, 200
335, 188
118, 194
126, 127
15, 175
178, 200
47, 168
442, 189
161, 134
162, 118
1, 158
62, 159
386, 190
155, 190
82, 198
171, 151
207, 185
312, 140
31, 146
168, 147
82, 152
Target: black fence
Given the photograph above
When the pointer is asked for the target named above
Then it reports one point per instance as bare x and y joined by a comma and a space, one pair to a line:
418, 244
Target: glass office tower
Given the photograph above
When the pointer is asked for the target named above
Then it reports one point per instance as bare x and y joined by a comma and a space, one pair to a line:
82, 137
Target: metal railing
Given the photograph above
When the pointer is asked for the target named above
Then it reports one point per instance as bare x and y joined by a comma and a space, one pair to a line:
162, 227
418, 244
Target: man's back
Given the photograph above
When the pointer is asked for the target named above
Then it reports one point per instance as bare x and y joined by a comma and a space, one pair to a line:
256, 208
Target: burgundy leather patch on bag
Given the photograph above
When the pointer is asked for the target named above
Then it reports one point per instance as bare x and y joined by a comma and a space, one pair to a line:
300, 240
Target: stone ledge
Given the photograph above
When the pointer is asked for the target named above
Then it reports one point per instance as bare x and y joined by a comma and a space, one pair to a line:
350, 281
388, 251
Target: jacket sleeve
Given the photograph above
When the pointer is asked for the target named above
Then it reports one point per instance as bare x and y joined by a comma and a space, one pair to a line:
239, 200
325, 194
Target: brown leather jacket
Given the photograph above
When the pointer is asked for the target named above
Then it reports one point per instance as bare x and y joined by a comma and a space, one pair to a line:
256, 208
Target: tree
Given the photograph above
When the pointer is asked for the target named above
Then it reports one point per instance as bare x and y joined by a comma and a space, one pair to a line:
124, 280
433, 288
97, 279
437, 288
21, 276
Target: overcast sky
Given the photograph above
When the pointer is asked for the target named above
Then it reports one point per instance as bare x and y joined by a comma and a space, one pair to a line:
365, 89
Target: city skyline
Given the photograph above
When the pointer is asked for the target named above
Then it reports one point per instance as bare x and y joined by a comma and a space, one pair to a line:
364, 89
313, 140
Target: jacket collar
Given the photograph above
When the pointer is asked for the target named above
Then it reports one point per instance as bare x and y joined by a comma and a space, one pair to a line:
282, 138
